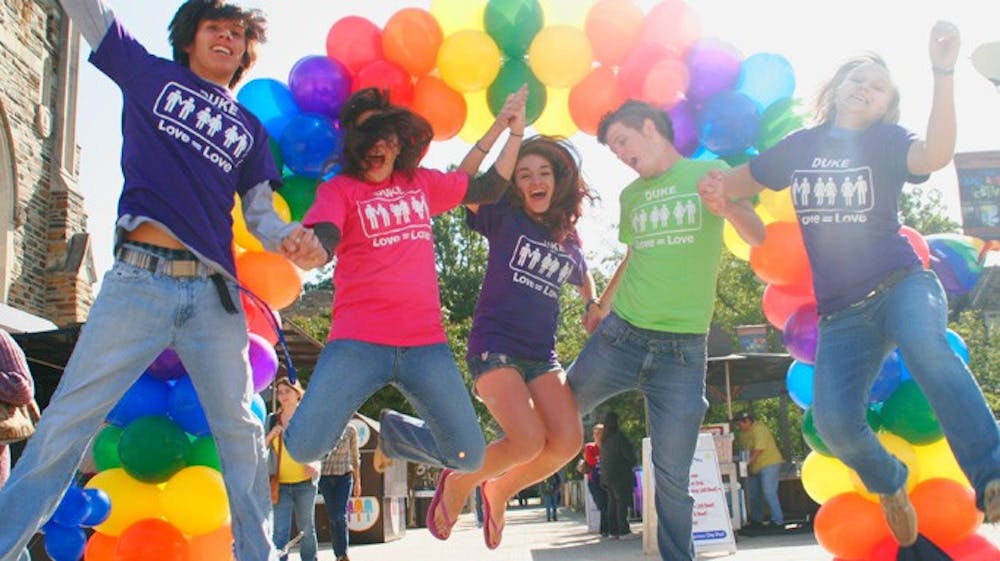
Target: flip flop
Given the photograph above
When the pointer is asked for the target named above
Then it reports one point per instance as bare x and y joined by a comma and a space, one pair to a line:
490, 527
432, 527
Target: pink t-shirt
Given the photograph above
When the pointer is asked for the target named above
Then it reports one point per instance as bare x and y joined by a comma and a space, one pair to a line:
385, 281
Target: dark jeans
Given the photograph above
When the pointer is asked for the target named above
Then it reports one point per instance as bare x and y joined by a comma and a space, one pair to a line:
600, 497
619, 499
336, 491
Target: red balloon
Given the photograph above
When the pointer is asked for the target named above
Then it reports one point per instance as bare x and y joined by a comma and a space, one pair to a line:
257, 321
673, 24
596, 95
152, 538
918, 243
779, 304
637, 64
946, 511
885, 550
385, 75
354, 41
100, 547
443, 107
850, 526
666, 83
975, 548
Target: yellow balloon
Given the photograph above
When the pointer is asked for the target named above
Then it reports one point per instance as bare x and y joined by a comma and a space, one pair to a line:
453, 15
555, 119
560, 56
824, 477
899, 447
938, 461
569, 12
764, 214
468, 60
779, 204
734, 243
131, 500
195, 501
242, 235
478, 119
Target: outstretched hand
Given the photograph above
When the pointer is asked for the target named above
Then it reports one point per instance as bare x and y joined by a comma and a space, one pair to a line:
303, 248
711, 188
944, 44
513, 113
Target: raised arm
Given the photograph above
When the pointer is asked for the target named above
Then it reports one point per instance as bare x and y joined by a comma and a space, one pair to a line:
725, 192
470, 164
937, 149
490, 186
92, 17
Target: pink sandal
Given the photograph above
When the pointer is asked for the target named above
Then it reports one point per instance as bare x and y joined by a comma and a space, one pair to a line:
490, 528
432, 527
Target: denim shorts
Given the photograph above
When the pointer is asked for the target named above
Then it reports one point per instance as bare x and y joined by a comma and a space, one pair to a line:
529, 369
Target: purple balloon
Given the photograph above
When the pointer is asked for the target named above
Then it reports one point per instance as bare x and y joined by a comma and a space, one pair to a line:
319, 85
714, 66
801, 333
263, 362
682, 116
167, 366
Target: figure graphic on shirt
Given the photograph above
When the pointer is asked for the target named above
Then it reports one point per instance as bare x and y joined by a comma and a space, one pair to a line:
384, 214
231, 135
862, 187
847, 191
565, 271
418, 206
203, 117
546, 262
187, 107
523, 255
692, 212
214, 124
173, 98
535, 256
831, 192
372, 216
404, 211
803, 189
679, 212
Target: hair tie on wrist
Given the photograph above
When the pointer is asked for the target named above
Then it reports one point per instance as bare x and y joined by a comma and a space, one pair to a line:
943, 71
517, 135
481, 149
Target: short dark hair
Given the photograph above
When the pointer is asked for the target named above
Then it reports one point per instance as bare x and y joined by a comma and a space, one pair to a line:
633, 114
743, 416
184, 26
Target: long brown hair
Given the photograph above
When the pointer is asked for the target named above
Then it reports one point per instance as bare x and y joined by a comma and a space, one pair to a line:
367, 117
826, 99
570, 188
184, 26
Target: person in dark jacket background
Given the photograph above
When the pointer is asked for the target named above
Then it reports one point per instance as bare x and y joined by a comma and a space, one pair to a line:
617, 460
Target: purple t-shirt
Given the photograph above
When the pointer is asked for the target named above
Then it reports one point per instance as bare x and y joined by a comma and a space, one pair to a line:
518, 308
845, 186
187, 147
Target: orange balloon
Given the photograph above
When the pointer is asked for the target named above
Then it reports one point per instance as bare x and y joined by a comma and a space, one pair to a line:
613, 29
443, 107
666, 83
100, 547
270, 276
152, 538
946, 511
411, 39
597, 94
673, 24
782, 259
257, 320
850, 527
214, 546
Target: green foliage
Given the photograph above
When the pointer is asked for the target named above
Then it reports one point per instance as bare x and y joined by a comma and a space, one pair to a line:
737, 299
461, 263
984, 354
920, 209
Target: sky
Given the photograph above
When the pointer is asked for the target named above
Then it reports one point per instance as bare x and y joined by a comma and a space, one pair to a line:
814, 36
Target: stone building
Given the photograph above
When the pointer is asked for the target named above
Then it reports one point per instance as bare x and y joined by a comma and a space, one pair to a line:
46, 267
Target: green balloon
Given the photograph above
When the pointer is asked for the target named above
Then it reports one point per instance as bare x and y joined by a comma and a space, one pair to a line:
908, 414
153, 448
874, 416
514, 74
204, 453
106, 448
512, 24
299, 192
780, 118
811, 436
279, 160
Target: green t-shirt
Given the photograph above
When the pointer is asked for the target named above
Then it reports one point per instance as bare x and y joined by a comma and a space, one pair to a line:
676, 245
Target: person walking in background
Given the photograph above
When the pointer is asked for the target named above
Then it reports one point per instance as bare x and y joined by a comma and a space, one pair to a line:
592, 471
173, 284
764, 467
340, 479
17, 388
617, 478
654, 331
872, 293
297, 482
550, 490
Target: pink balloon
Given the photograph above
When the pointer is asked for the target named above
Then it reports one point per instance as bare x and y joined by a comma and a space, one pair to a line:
263, 362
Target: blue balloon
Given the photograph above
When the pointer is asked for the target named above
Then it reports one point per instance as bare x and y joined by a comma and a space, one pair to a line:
65, 544
100, 507
319, 84
271, 102
728, 123
72, 509
888, 378
258, 407
311, 145
956, 343
766, 78
184, 408
147, 396
799, 381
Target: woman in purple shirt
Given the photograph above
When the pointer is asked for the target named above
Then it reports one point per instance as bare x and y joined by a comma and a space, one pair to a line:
534, 250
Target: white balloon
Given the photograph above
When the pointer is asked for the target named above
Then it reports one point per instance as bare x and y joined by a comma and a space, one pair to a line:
986, 59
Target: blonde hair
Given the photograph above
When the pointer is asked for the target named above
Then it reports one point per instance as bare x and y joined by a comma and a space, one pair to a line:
826, 107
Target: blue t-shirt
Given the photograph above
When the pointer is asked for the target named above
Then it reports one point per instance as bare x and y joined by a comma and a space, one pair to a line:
518, 308
187, 147
845, 186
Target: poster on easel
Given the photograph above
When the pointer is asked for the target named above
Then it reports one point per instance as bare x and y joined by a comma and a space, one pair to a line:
979, 191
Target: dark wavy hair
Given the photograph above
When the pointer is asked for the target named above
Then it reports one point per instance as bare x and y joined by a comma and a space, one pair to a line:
570, 188
826, 99
367, 117
633, 114
184, 26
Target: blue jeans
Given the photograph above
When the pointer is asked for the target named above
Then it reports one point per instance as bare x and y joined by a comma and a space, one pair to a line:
669, 370
764, 487
348, 372
136, 315
852, 344
336, 491
300, 499
550, 501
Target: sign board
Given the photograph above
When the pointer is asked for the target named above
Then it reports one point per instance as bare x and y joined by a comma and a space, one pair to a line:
979, 191
711, 525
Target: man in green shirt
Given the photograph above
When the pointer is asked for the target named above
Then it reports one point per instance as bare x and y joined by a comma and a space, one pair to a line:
764, 467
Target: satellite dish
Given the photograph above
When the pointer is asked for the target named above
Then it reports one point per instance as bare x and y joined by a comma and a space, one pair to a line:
986, 59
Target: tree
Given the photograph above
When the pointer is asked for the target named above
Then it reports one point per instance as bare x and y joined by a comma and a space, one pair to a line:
920, 208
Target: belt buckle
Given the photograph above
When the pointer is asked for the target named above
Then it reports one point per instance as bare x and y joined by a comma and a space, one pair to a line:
183, 268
